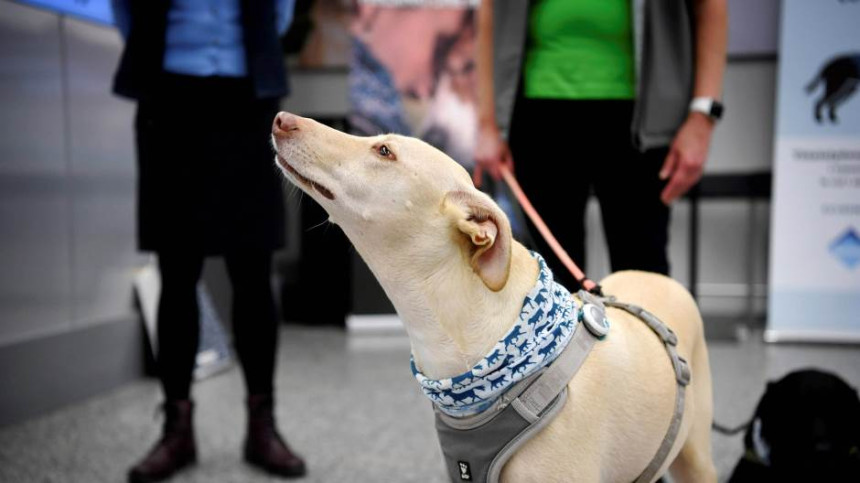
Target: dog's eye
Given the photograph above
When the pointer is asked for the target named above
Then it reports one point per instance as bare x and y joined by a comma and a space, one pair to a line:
385, 152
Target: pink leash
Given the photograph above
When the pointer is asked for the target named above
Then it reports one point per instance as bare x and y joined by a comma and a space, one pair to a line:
562, 255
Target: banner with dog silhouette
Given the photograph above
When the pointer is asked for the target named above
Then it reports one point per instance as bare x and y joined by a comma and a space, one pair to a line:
815, 237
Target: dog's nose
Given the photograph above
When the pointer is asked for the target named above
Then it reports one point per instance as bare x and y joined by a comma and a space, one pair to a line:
285, 123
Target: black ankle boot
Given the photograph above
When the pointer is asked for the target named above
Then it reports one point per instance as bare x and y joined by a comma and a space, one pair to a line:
264, 447
174, 451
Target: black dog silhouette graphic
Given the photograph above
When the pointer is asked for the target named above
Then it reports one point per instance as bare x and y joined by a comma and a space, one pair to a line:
840, 75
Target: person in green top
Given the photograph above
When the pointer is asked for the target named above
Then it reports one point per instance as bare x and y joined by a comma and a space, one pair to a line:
581, 78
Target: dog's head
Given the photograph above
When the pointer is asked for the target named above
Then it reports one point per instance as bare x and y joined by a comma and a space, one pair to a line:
397, 198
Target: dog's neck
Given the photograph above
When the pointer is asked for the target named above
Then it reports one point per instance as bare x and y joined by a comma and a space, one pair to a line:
451, 317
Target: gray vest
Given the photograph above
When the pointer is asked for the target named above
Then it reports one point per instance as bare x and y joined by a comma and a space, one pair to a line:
476, 448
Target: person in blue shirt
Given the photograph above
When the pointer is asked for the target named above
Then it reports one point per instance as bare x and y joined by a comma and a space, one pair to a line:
208, 76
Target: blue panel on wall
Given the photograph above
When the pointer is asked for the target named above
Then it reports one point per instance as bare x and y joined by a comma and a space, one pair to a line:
96, 10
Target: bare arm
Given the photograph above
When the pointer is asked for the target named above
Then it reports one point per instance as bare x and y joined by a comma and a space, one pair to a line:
711, 34
491, 151
484, 53
689, 150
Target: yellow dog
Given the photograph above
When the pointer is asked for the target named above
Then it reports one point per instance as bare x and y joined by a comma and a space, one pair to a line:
443, 252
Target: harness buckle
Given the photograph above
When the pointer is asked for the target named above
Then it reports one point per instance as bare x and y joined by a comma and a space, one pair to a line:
682, 370
670, 337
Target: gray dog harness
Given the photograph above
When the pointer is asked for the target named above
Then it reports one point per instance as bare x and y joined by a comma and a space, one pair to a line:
476, 447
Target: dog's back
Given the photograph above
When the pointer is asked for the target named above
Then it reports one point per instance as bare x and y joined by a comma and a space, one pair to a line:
622, 399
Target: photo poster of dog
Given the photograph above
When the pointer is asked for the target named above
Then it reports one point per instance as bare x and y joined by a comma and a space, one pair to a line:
319, 36
413, 72
815, 228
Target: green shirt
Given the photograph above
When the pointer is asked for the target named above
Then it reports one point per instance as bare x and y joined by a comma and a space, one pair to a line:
580, 49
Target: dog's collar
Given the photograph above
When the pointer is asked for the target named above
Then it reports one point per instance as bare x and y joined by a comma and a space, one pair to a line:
545, 325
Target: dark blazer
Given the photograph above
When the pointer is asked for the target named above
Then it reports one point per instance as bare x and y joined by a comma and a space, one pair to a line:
140, 66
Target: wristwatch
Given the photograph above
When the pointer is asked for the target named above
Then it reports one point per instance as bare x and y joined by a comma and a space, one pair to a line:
707, 106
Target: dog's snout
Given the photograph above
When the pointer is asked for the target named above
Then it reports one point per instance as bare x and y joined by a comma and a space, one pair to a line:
285, 124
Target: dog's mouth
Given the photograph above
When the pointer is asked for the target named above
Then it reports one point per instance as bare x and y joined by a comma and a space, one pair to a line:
305, 180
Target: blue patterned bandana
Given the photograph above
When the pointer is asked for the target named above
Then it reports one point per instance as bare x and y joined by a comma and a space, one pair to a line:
545, 325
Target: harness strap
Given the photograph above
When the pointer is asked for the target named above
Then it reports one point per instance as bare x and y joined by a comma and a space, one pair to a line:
682, 376
470, 444
532, 402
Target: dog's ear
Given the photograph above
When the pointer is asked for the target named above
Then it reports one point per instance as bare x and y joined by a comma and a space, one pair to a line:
485, 233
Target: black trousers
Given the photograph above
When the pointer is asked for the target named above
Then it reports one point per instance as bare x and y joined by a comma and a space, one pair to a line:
563, 151
206, 174
253, 313
207, 185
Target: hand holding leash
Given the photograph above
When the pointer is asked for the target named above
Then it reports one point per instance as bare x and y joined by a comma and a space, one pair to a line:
562, 255
491, 153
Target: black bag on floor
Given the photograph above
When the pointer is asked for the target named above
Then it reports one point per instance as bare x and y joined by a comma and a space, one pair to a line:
806, 428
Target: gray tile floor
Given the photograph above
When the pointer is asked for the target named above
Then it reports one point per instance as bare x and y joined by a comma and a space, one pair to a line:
347, 403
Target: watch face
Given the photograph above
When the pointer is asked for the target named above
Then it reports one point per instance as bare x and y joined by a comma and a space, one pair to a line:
716, 110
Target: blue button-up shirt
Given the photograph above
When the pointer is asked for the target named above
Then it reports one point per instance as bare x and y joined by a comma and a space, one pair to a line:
204, 37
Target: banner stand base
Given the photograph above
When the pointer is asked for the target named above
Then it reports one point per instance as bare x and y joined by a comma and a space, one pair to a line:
811, 337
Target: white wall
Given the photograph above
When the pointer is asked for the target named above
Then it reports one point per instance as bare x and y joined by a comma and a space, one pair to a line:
67, 200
